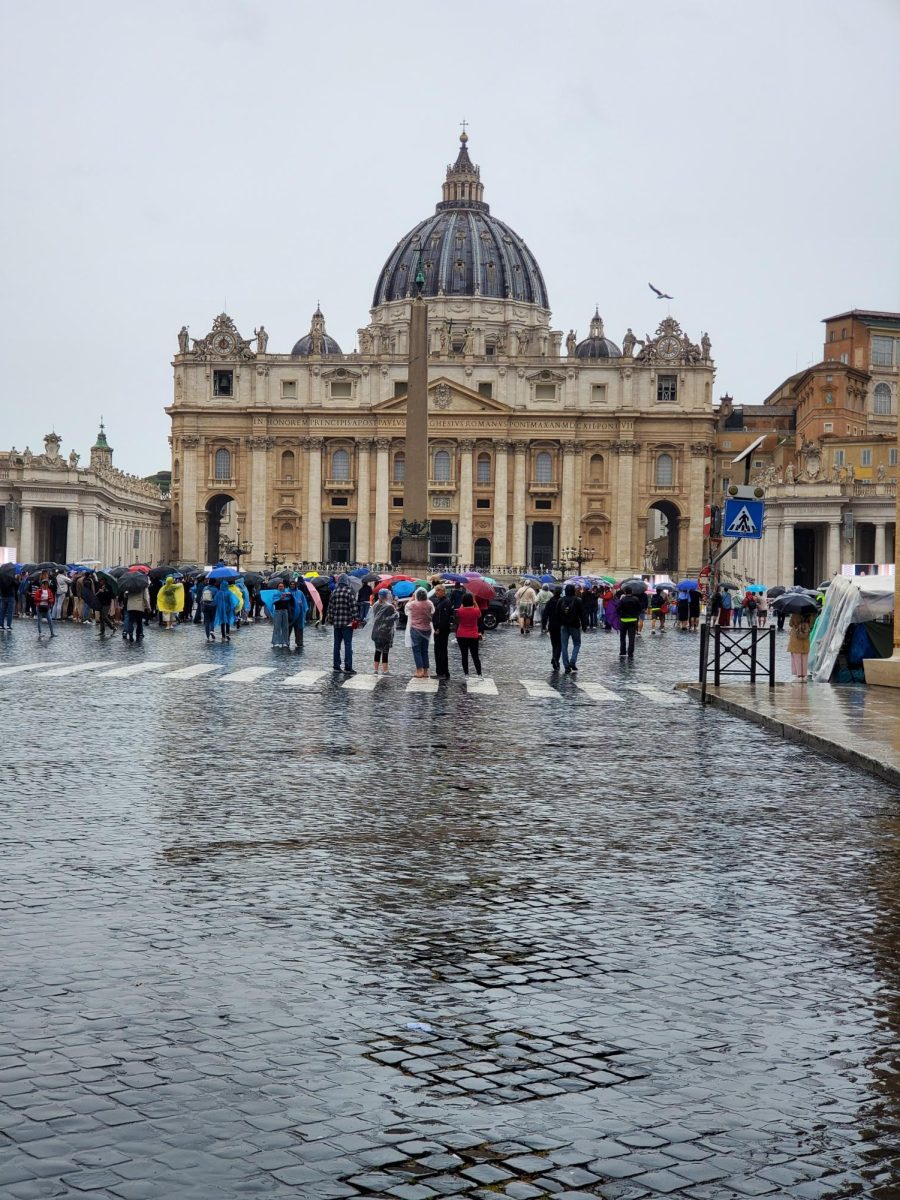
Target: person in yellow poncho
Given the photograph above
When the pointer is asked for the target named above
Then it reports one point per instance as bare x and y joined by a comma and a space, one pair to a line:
170, 601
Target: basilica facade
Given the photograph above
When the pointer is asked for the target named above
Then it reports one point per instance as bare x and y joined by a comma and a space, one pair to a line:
538, 442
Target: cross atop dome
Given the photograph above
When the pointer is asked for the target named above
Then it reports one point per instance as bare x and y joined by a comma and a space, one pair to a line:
463, 187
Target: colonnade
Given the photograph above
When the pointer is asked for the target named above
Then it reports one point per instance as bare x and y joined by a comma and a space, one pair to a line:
91, 535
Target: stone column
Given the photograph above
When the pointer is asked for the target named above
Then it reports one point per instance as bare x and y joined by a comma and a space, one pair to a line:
73, 537
519, 499
363, 499
880, 544
693, 546
201, 528
464, 536
259, 447
314, 502
91, 539
786, 569
25, 548
381, 551
623, 538
833, 552
501, 502
567, 531
190, 550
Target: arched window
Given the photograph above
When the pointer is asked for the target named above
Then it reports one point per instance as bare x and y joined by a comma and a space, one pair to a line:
483, 469
340, 465
543, 468
442, 466
482, 553
665, 471
399, 467
286, 538
882, 400
223, 464
287, 465
596, 471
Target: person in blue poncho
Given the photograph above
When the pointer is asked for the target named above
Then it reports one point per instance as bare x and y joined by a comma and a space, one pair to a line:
301, 608
226, 606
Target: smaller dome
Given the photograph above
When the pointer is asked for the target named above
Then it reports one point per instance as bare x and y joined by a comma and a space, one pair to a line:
595, 345
317, 342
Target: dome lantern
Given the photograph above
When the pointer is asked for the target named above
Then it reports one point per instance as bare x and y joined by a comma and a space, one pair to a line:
596, 344
317, 343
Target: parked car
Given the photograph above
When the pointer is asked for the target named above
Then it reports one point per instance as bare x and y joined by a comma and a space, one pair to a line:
498, 609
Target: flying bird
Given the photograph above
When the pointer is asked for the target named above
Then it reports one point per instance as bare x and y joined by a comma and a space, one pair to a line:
660, 295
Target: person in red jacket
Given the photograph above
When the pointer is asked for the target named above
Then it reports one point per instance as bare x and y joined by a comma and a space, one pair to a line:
44, 599
469, 628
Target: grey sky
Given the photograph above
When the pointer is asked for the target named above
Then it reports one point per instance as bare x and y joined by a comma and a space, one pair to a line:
162, 158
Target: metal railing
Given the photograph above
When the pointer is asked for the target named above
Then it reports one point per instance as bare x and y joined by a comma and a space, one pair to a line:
736, 652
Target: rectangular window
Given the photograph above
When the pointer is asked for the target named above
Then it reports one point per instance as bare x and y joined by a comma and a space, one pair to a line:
543, 504
838, 458
726, 479
486, 389
667, 389
882, 351
339, 501
400, 386
866, 458
757, 462
398, 501
892, 456
457, 347
223, 383
845, 358
828, 427
490, 351
341, 389
482, 503
598, 393
545, 391
289, 389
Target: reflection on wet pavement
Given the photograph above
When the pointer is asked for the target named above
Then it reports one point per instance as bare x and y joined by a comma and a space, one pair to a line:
320, 942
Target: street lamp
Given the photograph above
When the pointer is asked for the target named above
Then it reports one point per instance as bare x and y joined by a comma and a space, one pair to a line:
235, 547
272, 560
576, 555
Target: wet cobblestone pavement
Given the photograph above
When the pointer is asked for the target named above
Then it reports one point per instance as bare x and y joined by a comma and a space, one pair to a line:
299, 939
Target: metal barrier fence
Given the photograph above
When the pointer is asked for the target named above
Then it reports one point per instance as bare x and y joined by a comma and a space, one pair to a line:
736, 652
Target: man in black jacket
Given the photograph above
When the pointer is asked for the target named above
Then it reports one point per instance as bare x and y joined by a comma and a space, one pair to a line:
571, 622
440, 619
630, 610
550, 622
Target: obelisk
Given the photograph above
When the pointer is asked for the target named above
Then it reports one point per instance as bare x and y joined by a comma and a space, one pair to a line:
414, 528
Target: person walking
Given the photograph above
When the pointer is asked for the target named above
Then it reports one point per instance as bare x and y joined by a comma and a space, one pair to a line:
363, 603
419, 612
103, 598
762, 610
341, 615
384, 621
742, 606
571, 623
694, 602
551, 623
469, 633
226, 606
684, 609
591, 602
62, 596
726, 608
299, 595
207, 607
137, 607
44, 600
525, 601
629, 612
798, 644
282, 612
9, 587
442, 620
544, 597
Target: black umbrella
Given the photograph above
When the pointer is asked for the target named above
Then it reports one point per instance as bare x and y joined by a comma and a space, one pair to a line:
795, 602
133, 581
117, 571
636, 585
371, 577
9, 568
253, 578
162, 572
50, 566
776, 591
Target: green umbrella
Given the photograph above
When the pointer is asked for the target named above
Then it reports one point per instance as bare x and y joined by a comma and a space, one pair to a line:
110, 580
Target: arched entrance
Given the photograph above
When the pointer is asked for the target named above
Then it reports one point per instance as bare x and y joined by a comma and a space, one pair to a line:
662, 536
482, 553
220, 522
396, 550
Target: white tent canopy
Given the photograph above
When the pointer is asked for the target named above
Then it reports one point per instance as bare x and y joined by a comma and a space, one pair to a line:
848, 601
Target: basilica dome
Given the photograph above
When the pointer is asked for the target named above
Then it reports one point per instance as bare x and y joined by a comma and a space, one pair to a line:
317, 342
462, 250
596, 345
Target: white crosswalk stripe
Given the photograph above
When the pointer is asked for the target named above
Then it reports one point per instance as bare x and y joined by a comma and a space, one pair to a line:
362, 683
75, 669
192, 672
133, 669
481, 687
19, 670
654, 694
247, 674
303, 678
424, 686
596, 691
538, 690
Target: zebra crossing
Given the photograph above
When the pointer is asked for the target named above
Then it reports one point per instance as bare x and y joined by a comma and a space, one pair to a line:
566, 688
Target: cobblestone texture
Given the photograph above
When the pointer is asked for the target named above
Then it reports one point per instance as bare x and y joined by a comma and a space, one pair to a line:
224, 909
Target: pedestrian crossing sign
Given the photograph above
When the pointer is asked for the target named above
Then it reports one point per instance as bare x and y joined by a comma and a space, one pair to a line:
743, 518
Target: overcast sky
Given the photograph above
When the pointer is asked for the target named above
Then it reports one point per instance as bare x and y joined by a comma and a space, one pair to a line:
162, 160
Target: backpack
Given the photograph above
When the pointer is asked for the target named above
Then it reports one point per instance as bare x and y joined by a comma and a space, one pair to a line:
208, 596
751, 604
568, 611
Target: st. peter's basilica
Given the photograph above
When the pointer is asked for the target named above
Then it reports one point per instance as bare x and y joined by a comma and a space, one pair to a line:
536, 440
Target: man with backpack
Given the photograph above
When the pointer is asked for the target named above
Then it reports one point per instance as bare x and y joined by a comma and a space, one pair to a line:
550, 623
629, 611
571, 623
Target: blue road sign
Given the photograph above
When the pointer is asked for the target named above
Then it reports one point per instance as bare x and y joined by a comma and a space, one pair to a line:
743, 518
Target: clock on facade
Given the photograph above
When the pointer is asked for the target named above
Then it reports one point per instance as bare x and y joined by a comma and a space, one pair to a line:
668, 347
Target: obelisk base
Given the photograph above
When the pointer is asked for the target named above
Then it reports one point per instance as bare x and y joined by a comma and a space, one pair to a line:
414, 556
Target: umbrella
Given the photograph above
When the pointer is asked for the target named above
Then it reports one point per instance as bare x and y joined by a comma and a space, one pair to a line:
370, 577
139, 569
755, 587
359, 573
826, 583
10, 568
253, 578
313, 593
778, 590
111, 582
688, 585
636, 585
549, 579
50, 566
162, 572
223, 573
793, 602
453, 578
355, 583
133, 581
481, 589
403, 588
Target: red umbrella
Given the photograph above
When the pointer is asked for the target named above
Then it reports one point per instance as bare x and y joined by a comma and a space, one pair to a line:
480, 590
140, 567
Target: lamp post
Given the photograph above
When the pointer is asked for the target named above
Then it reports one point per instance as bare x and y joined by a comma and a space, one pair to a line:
235, 547
576, 555
272, 560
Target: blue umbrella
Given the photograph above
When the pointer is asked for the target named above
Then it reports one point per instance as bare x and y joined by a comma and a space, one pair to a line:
532, 578
549, 579
688, 585
454, 578
223, 573
755, 587
403, 588
359, 573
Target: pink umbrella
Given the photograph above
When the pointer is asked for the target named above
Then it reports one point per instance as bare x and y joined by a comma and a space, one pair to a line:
314, 595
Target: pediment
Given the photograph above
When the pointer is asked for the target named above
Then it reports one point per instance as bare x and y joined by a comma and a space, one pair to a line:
447, 396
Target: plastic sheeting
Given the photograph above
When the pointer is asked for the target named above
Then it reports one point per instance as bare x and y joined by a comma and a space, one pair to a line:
848, 601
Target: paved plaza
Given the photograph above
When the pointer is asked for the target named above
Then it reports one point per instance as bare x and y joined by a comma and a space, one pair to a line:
269, 931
